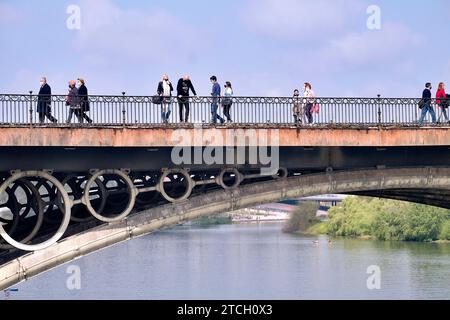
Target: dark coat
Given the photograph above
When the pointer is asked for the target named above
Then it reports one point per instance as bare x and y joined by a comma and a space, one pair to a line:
184, 86
74, 102
160, 89
84, 98
44, 99
426, 96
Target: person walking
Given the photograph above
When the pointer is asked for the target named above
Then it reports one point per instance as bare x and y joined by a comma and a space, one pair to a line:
215, 101
165, 89
227, 101
297, 108
425, 105
309, 95
44, 102
442, 102
73, 102
183, 87
84, 100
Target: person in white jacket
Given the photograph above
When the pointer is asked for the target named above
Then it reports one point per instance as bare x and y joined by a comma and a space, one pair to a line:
309, 95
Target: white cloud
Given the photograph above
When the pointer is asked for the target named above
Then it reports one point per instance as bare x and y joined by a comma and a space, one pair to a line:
302, 19
393, 46
111, 35
392, 41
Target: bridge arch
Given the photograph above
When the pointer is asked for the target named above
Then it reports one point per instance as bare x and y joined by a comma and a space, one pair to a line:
362, 181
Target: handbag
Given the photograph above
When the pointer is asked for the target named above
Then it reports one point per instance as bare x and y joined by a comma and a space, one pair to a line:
227, 101
445, 102
421, 103
315, 108
157, 99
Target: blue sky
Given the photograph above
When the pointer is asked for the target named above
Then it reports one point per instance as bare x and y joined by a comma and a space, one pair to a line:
264, 47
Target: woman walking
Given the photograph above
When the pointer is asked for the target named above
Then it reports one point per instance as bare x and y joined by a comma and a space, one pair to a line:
309, 95
227, 101
73, 102
84, 100
164, 90
441, 101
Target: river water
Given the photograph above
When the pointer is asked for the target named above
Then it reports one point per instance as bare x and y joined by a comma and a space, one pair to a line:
247, 261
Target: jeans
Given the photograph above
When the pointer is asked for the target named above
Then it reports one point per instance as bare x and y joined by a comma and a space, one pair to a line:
443, 113
308, 113
214, 115
166, 109
427, 108
226, 111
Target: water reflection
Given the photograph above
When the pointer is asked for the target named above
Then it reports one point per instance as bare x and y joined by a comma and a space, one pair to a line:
250, 261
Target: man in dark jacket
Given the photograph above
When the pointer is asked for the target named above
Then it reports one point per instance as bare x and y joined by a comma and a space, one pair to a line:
183, 87
44, 102
84, 100
426, 105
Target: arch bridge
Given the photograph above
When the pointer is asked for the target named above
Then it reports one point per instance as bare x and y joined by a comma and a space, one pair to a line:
69, 190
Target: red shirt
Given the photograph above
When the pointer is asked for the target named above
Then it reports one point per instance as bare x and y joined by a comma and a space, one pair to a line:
440, 94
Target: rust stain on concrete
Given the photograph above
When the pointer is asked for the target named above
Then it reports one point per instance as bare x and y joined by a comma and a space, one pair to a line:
168, 137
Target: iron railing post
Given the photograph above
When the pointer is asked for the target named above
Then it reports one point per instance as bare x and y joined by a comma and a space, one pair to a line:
31, 108
379, 109
124, 111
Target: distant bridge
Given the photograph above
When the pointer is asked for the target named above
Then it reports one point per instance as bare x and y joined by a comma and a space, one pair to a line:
69, 190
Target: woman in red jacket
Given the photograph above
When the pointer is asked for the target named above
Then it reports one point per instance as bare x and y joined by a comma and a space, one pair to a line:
440, 94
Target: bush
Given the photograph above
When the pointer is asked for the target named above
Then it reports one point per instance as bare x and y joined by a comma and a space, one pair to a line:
353, 218
319, 228
388, 220
445, 231
302, 218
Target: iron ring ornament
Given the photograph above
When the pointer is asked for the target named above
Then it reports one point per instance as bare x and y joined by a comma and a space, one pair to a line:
132, 192
66, 214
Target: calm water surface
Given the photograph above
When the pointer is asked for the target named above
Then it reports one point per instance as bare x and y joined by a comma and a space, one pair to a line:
248, 261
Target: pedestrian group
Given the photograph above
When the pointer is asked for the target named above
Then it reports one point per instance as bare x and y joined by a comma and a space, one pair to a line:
304, 106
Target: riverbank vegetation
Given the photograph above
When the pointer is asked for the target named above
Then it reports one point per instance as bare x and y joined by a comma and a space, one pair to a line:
382, 219
302, 218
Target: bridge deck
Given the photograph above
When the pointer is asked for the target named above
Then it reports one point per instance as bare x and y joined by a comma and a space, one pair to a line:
169, 136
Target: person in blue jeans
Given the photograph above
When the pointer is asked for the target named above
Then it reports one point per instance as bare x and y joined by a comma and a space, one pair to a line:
427, 107
164, 90
215, 101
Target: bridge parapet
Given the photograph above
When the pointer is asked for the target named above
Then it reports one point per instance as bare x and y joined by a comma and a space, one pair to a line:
146, 110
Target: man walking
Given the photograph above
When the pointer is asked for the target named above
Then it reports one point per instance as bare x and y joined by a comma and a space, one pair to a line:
426, 105
215, 101
183, 87
44, 102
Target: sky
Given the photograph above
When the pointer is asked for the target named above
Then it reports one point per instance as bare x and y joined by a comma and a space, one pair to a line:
263, 47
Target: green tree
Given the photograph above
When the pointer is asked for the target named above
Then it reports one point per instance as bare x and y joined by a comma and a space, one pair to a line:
388, 220
445, 231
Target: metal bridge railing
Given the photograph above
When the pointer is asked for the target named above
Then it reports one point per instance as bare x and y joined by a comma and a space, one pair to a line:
141, 110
